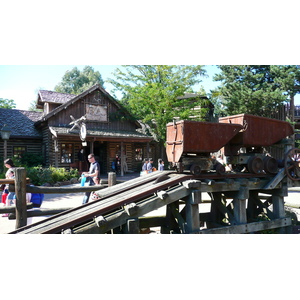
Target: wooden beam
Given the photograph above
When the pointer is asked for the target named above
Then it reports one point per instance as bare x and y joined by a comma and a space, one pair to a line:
12, 209
60, 190
21, 204
178, 217
250, 227
118, 218
40, 212
192, 212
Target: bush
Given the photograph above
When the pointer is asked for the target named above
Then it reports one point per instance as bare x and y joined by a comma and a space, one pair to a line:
39, 175
30, 160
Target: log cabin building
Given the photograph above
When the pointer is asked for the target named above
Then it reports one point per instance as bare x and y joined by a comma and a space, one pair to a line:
110, 131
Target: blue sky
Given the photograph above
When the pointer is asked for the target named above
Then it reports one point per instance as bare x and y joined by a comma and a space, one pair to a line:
22, 82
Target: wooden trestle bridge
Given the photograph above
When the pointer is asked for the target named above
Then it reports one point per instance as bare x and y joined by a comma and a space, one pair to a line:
240, 203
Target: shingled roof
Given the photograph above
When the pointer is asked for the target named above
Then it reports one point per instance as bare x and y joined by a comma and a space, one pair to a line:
54, 97
21, 122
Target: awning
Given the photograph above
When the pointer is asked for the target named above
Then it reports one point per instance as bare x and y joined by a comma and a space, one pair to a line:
105, 135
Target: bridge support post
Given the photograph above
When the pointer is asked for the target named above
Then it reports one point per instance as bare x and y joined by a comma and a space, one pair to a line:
172, 225
215, 213
192, 212
239, 205
278, 207
239, 210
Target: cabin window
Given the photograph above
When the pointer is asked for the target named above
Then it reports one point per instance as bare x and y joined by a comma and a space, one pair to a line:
18, 151
138, 154
67, 151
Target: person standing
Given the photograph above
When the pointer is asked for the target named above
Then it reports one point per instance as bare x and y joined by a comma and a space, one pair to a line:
92, 175
149, 165
160, 165
10, 174
144, 167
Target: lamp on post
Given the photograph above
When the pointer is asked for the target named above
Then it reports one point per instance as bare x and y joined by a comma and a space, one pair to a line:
5, 135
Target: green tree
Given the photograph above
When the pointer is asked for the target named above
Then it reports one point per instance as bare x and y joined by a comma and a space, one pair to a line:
76, 81
150, 92
255, 89
32, 106
6, 103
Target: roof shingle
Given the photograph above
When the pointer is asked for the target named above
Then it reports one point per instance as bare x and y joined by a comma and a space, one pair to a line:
55, 97
21, 122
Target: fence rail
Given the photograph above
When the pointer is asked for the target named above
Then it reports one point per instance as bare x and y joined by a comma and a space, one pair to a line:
20, 185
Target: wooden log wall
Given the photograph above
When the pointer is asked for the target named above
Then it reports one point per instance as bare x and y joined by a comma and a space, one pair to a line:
32, 146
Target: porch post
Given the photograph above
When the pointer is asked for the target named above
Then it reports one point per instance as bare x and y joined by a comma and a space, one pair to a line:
148, 150
91, 147
122, 158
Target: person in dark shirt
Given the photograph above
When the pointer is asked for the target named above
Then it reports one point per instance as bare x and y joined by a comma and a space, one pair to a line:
92, 176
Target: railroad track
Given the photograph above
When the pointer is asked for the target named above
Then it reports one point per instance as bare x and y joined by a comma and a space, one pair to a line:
115, 197
112, 199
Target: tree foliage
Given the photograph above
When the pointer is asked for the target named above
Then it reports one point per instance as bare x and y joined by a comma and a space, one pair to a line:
76, 81
150, 92
6, 103
255, 89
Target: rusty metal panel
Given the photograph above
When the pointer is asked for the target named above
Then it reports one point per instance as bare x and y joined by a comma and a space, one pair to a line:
197, 137
258, 131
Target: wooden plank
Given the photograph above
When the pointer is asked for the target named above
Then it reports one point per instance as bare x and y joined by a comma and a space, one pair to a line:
272, 184
250, 227
62, 190
152, 221
12, 209
143, 207
11, 181
103, 206
40, 212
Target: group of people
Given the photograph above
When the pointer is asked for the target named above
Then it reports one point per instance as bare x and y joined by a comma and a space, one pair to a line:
8, 198
92, 177
148, 166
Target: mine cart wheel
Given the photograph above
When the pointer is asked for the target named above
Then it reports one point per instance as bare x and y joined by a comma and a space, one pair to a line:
220, 169
270, 165
255, 165
291, 164
195, 169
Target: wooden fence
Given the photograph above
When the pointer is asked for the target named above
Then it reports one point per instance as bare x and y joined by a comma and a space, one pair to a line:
20, 185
